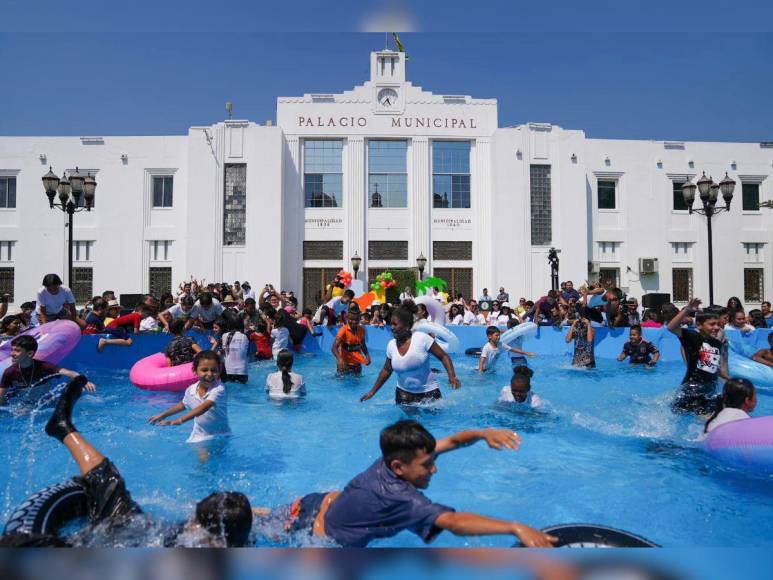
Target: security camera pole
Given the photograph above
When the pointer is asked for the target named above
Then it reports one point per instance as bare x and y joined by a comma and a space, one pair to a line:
553, 259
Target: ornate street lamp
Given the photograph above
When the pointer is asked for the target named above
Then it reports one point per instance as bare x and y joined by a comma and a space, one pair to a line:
69, 193
709, 194
421, 263
356, 261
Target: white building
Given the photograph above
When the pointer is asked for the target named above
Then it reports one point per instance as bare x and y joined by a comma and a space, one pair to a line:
387, 171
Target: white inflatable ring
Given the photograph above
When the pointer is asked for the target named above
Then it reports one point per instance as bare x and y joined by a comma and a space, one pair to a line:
525, 329
437, 313
447, 340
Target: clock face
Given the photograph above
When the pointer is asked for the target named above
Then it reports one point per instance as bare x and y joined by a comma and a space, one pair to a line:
387, 97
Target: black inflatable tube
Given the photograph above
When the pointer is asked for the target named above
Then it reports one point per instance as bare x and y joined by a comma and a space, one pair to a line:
48, 510
593, 535
474, 351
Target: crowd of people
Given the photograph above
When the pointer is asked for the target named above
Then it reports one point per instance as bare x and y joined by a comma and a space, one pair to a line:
242, 325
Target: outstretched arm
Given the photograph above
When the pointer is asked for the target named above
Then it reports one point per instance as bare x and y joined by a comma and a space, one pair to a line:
383, 377
675, 326
179, 407
91, 387
446, 362
469, 524
193, 413
495, 438
759, 357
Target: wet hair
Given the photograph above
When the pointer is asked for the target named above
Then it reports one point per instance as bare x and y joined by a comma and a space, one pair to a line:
52, 280
177, 326
403, 315
491, 330
7, 321
26, 342
734, 393
523, 374
227, 515
635, 327
205, 355
205, 299
284, 362
403, 440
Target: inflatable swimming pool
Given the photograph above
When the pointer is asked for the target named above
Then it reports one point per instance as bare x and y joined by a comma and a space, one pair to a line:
153, 374
741, 364
746, 443
55, 341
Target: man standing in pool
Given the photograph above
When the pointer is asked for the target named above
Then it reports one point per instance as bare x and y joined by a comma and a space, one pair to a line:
706, 357
408, 355
385, 499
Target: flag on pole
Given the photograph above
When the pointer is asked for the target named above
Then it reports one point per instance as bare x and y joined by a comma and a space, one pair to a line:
399, 45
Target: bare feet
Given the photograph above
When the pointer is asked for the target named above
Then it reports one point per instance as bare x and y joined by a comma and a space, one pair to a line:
101, 344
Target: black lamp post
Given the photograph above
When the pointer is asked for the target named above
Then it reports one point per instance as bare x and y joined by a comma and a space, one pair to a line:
69, 193
553, 259
356, 261
709, 194
421, 263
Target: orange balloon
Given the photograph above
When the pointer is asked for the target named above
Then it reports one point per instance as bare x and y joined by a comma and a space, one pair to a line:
365, 300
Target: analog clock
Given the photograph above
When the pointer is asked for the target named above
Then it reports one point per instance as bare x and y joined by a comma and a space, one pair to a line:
387, 98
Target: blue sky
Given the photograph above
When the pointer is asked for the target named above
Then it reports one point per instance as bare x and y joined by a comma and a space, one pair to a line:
678, 84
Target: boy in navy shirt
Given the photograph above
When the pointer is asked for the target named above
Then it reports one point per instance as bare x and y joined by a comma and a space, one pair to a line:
639, 351
385, 499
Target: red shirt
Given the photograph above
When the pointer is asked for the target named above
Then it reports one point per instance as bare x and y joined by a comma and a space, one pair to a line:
262, 344
132, 319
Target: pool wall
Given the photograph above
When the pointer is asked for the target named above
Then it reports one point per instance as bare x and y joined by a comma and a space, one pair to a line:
549, 341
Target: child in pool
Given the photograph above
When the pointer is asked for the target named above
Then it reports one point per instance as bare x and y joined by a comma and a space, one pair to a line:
519, 391
582, 333
234, 351
349, 348
205, 401
285, 384
280, 336
493, 348
262, 341
181, 349
639, 351
764, 356
739, 398
218, 329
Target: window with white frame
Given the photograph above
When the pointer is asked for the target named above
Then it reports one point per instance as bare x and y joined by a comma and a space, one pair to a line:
83, 250
160, 250
681, 251
607, 193
162, 191
7, 192
753, 253
609, 251
6, 251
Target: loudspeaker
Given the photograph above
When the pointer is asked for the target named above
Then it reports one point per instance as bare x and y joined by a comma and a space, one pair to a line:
130, 300
655, 300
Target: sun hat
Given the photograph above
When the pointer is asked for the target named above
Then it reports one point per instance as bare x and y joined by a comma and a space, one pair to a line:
113, 303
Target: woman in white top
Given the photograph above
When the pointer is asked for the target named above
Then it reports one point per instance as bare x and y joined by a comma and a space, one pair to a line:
205, 401
455, 314
739, 398
235, 344
285, 384
55, 302
280, 335
407, 354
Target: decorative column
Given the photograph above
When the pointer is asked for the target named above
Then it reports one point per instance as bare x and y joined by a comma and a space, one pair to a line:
481, 205
355, 199
293, 223
420, 204
218, 139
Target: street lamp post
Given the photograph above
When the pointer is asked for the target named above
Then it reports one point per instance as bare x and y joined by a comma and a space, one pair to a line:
421, 263
356, 261
553, 260
709, 194
69, 192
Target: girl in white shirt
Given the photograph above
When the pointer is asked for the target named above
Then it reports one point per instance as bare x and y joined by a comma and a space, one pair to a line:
285, 384
205, 401
234, 351
519, 391
739, 398
280, 336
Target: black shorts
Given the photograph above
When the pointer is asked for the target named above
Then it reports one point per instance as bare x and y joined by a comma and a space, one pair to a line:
351, 370
303, 512
235, 378
696, 398
405, 398
106, 493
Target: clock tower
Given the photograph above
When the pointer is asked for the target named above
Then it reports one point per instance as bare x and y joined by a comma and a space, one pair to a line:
387, 77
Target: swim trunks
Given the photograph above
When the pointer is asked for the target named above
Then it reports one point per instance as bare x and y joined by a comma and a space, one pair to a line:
106, 494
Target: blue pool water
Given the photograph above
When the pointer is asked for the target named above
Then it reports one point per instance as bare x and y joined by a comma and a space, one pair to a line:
604, 449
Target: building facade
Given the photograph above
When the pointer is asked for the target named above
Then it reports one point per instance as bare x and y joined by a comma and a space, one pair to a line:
387, 172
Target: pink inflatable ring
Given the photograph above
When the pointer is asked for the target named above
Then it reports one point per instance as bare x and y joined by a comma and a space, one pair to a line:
745, 443
55, 341
153, 374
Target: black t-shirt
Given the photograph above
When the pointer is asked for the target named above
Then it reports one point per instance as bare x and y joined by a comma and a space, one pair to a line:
16, 377
703, 355
640, 353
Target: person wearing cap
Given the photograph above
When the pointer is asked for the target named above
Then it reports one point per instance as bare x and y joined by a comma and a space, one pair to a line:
228, 302
503, 296
505, 314
113, 311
